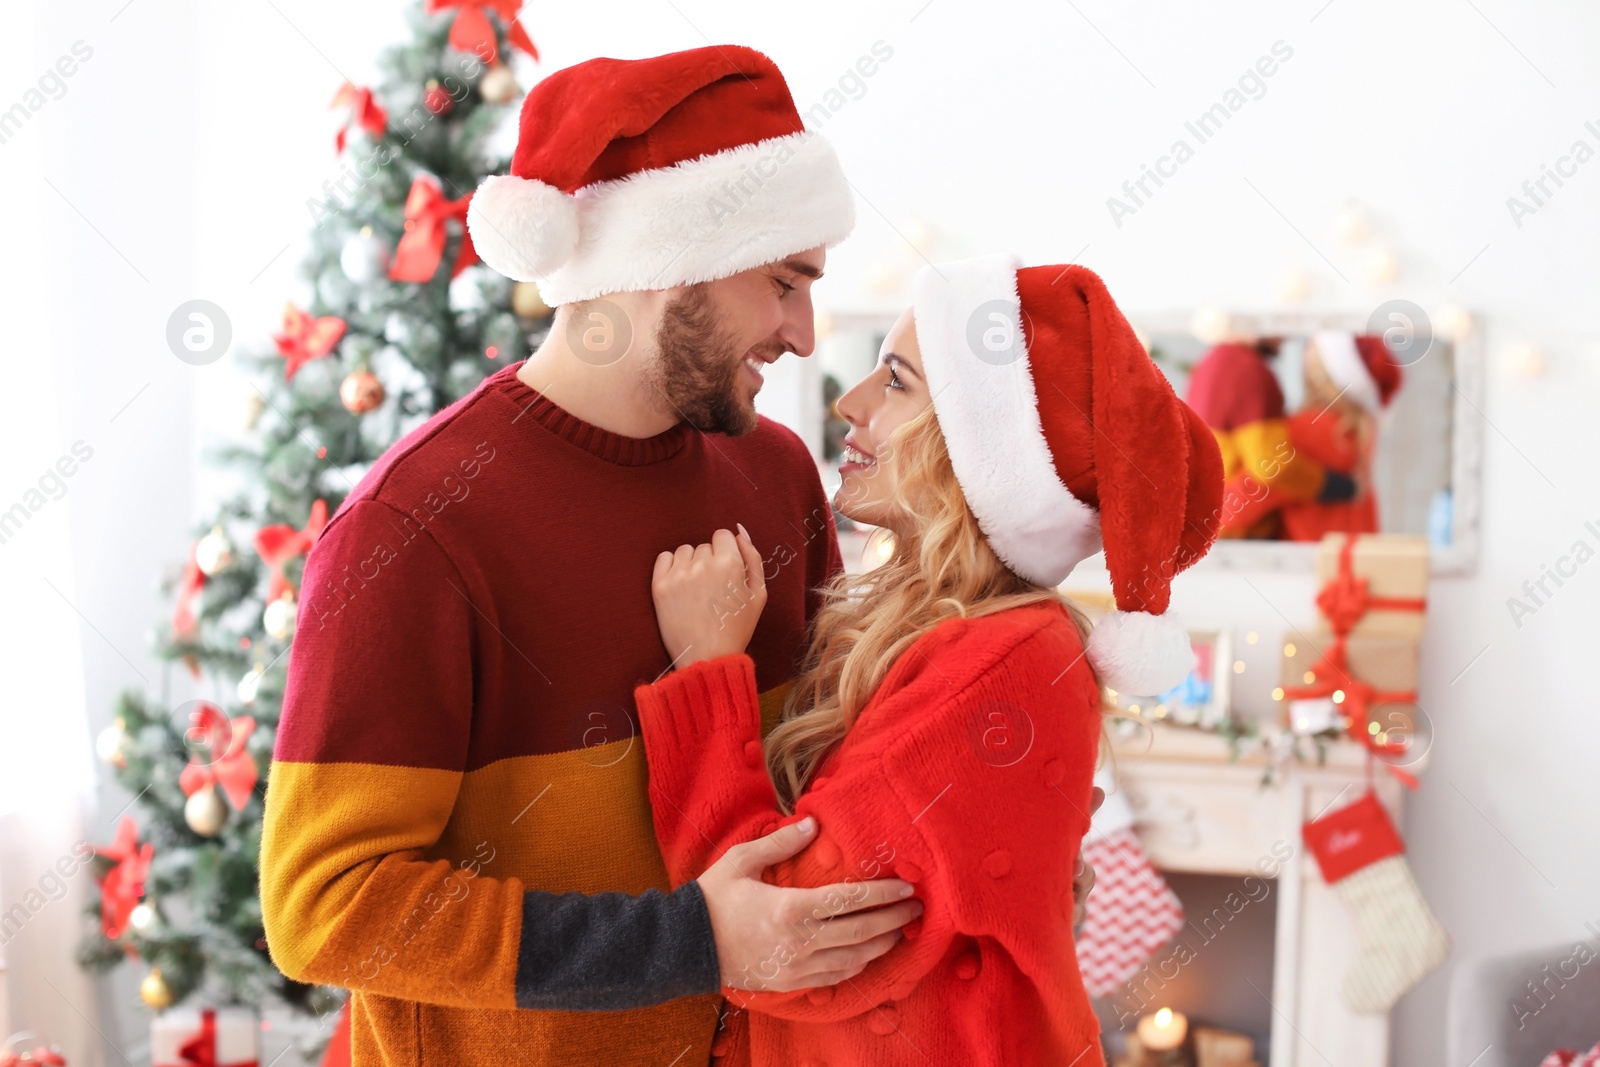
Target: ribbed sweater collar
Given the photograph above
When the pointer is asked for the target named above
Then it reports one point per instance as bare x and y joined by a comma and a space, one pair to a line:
605, 444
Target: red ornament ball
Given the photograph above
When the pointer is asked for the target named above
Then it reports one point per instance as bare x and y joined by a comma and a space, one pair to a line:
437, 101
361, 391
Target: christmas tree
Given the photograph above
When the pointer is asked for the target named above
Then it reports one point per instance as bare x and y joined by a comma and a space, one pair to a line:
400, 322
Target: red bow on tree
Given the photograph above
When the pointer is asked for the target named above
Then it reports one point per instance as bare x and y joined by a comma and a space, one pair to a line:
194, 579
122, 887
422, 245
471, 31
280, 543
230, 768
304, 338
363, 110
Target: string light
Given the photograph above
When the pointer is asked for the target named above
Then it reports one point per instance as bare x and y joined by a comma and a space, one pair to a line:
1338, 696
1251, 638
1277, 694
1309, 677
1288, 649
1238, 666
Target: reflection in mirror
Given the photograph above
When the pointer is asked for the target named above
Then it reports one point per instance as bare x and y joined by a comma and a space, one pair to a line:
1321, 432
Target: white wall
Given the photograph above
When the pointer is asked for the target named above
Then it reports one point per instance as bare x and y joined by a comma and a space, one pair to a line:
194, 138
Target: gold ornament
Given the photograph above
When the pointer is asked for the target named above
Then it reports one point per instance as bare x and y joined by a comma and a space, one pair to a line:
205, 812
499, 85
278, 619
361, 391
526, 301
254, 405
214, 552
154, 990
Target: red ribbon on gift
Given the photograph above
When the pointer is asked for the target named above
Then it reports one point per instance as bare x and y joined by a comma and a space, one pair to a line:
279, 543
422, 245
1343, 601
201, 1049
472, 32
304, 338
234, 771
122, 887
364, 111
1356, 698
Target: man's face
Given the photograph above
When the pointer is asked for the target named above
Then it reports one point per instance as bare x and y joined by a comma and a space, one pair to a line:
716, 337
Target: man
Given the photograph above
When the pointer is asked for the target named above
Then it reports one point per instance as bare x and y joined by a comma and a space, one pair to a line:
457, 824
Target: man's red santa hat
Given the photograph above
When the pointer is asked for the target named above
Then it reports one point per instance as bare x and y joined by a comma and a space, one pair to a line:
643, 174
1066, 438
1361, 367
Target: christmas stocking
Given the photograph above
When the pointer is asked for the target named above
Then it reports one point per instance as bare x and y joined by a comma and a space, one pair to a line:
1131, 911
1398, 939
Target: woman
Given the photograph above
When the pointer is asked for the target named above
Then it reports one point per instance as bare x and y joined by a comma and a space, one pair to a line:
945, 724
1350, 381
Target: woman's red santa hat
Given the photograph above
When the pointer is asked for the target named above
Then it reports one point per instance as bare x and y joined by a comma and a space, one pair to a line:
632, 175
1066, 438
1361, 367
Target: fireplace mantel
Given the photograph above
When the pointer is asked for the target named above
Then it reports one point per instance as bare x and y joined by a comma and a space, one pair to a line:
1197, 811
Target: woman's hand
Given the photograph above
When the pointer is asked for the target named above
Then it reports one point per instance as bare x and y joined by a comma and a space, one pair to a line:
709, 597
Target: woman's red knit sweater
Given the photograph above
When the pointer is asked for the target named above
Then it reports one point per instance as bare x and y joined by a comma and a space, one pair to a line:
969, 774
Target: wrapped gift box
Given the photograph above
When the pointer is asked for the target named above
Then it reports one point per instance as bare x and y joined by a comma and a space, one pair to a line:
1395, 567
1388, 664
1223, 1048
235, 1031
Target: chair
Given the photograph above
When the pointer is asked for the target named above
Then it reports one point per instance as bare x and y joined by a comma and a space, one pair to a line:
1513, 1010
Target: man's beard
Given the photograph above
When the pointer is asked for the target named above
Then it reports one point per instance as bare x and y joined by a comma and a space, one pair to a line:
697, 366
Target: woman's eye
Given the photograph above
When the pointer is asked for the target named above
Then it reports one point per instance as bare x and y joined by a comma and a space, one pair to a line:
894, 380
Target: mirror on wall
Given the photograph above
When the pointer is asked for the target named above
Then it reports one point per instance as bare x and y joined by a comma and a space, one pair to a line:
1326, 423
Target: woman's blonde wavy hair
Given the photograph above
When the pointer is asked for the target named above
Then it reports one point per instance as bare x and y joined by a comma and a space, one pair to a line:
942, 568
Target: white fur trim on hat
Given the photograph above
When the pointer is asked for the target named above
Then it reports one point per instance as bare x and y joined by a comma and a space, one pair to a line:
1346, 368
523, 229
691, 222
989, 415
1140, 654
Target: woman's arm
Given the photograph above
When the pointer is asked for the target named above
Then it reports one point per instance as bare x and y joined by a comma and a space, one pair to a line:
924, 799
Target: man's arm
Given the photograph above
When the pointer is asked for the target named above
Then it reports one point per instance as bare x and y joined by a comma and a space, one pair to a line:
371, 750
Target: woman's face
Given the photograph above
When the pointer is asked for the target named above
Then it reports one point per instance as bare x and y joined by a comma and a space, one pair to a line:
887, 398
1322, 391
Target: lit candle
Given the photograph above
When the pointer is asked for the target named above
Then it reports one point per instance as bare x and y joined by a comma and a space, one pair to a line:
1162, 1031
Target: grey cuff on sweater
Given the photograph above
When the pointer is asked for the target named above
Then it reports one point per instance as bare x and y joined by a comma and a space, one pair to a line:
614, 951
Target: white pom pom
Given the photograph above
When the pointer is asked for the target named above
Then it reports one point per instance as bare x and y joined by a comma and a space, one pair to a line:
1140, 654
523, 229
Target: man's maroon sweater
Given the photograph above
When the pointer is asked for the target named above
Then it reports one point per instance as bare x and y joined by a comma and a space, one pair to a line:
457, 825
